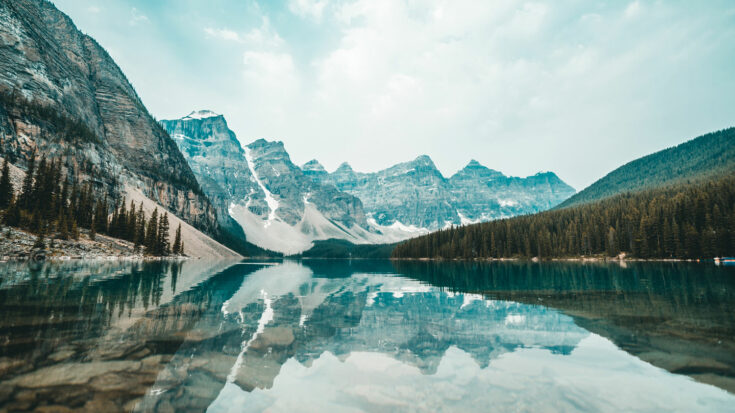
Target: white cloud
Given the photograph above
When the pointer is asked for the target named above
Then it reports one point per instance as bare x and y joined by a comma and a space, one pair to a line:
521, 85
136, 17
308, 8
224, 34
263, 37
633, 9
272, 84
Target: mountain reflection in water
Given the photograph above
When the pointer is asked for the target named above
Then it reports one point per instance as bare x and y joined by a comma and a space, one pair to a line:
365, 336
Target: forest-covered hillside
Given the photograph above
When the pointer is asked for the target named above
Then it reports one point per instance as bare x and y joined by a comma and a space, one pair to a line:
691, 220
701, 158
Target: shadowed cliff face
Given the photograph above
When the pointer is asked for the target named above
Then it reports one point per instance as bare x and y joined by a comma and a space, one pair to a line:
45, 62
675, 316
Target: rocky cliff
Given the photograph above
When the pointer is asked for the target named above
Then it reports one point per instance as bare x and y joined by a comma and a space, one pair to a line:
285, 208
277, 205
416, 194
63, 96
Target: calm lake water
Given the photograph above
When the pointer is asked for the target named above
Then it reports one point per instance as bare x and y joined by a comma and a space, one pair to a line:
373, 336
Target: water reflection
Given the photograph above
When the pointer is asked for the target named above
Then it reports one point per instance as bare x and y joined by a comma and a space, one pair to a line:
365, 336
677, 316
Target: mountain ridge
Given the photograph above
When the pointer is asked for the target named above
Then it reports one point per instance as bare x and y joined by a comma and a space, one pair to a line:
300, 205
698, 158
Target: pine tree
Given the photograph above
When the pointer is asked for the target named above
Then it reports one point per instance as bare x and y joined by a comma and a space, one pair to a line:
27, 189
140, 227
12, 215
6, 187
151, 234
163, 241
132, 223
176, 249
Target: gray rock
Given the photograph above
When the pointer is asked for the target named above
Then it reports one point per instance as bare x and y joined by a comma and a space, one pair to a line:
44, 58
416, 193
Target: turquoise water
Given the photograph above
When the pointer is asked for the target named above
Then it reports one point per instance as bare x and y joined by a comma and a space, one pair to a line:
366, 336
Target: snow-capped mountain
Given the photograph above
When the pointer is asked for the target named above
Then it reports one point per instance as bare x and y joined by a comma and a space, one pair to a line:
416, 195
285, 208
259, 189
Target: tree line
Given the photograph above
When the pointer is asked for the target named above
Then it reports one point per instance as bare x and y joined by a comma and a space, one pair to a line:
52, 204
680, 221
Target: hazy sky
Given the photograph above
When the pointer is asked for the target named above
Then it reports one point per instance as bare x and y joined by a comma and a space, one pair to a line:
573, 86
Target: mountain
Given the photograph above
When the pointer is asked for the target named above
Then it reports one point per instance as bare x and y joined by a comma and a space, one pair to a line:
219, 163
415, 195
698, 159
286, 208
692, 220
63, 97
259, 189
481, 194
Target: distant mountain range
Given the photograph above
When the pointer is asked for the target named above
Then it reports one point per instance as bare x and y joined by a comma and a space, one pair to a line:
700, 158
676, 203
285, 208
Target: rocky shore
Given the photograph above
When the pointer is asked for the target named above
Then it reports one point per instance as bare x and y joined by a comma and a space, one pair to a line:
16, 244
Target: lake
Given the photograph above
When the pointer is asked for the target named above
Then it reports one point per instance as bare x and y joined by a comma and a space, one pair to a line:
372, 336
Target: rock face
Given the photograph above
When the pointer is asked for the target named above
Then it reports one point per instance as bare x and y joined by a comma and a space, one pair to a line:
277, 205
482, 194
218, 161
64, 97
285, 208
416, 194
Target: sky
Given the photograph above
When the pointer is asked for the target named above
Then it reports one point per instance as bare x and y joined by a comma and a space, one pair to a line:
577, 87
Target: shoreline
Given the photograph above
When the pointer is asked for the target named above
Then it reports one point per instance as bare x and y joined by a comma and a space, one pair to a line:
16, 245
534, 260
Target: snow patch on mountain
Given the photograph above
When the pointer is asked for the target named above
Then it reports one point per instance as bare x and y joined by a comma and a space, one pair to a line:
396, 231
200, 114
277, 235
270, 200
466, 221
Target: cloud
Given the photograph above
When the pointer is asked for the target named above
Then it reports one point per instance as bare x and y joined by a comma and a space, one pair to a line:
313, 9
633, 9
137, 17
521, 85
273, 84
224, 34
263, 37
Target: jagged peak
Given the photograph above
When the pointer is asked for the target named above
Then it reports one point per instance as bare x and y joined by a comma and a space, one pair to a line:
313, 165
264, 142
422, 160
473, 164
344, 167
201, 114
547, 175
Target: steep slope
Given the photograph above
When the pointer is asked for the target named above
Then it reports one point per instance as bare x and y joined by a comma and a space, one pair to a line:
411, 193
415, 197
196, 244
63, 96
700, 158
259, 189
218, 161
481, 194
